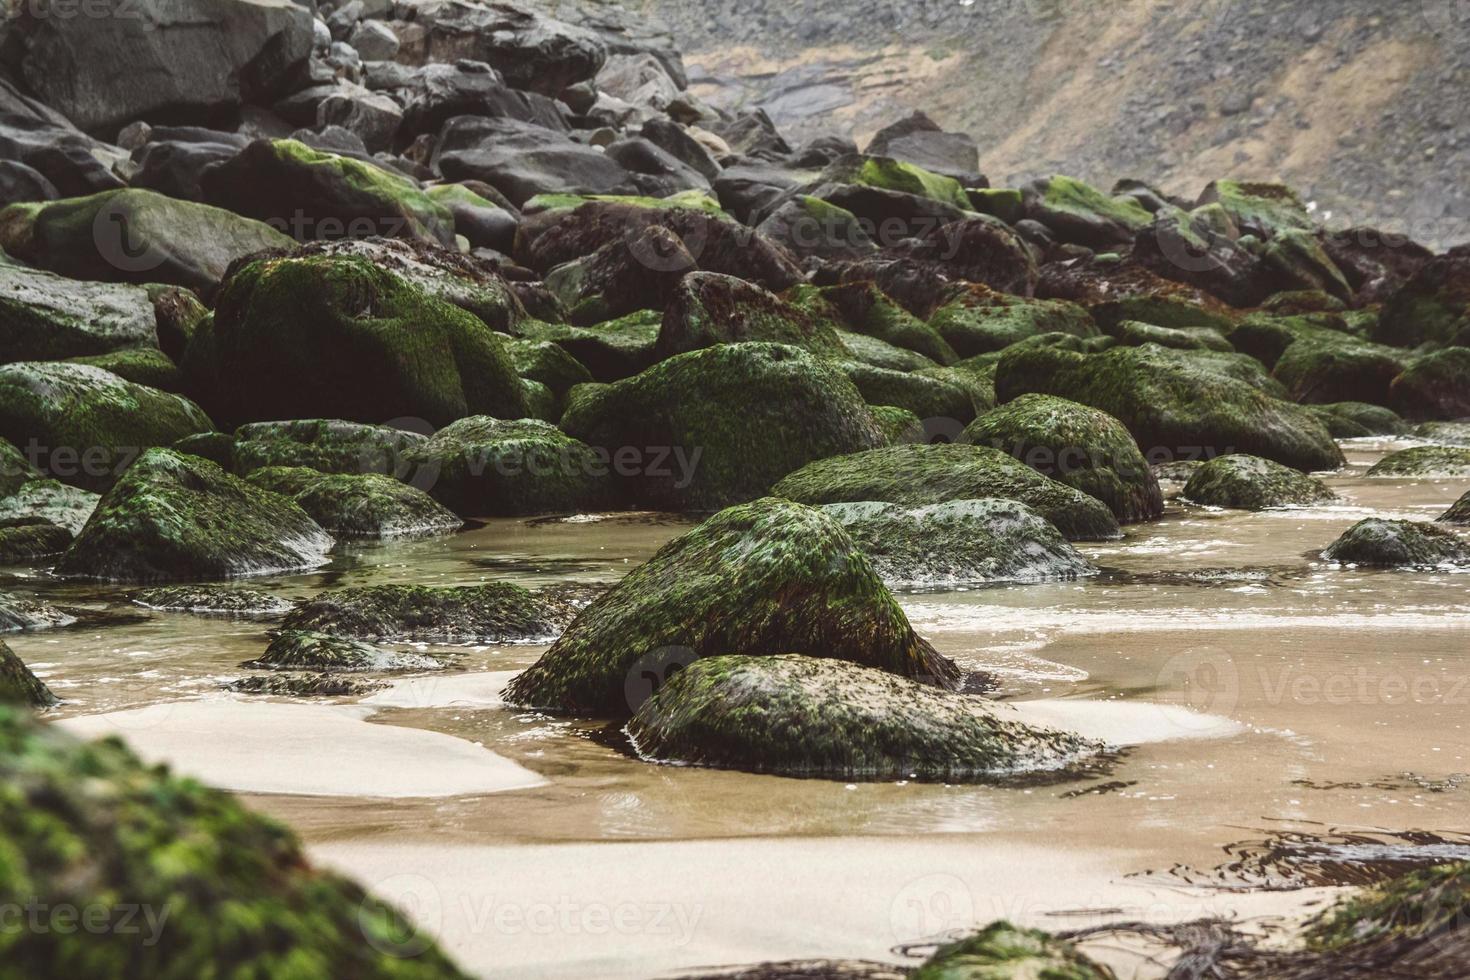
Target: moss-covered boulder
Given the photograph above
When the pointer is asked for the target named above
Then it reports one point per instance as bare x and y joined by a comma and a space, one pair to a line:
720, 425
323, 685
1259, 208
325, 445
919, 475
1435, 386
359, 505
1131, 333
899, 425
311, 194
1080, 213
1459, 512
1250, 483
1350, 420
89, 826
811, 716
881, 354
21, 615
862, 308
625, 275
961, 542
46, 317
133, 235
1444, 433
1425, 463
1326, 367
25, 538
548, 363
610, 351
1419, 921
338, 337
173, 517
85, 424
292, 649
495, 613
18, 686
759, 579
1176, 405
1432, 307
50, 501
144, 366
1296, 260
1398, 544
979, 321
1077, 445
213, 600
1002, 951
481, 467
927, 397
708, 309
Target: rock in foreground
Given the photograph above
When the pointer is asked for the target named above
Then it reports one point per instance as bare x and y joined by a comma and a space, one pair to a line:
762, 578
1391, 544
174, 517
807, 716
18, 685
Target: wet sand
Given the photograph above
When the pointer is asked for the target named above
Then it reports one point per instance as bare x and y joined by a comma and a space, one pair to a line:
1259, 689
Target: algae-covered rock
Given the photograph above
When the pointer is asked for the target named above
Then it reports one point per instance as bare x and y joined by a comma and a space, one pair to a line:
1251, 483
1435, 386
52, 502
325, 445
311, 194
25, 538
1082, 214
1077, 445
925, 396
1425, 463
1398, 544
1443, 433
548, 363
173, 517
1259, 208
1432, 307
862, 308
325, 685
1327, 367
89, 826
480, 466
20, 615
1459, 513
359, 505
86, 424
46, 317
338, 337
610, 351
979, 321
760, 579
213, 600
916, 475
133, 235
720, 425
1347, 420
1002, 951
18, 686
708, 309
899, 425
960, 542
797, 715
293, 649
624, 276
496, 613
1134, 334
143, 366
881, 354
1175, 405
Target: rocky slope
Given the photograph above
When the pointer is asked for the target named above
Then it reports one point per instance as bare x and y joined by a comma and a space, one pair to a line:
1358, 104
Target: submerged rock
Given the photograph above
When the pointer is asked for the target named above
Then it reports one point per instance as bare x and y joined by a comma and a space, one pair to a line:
916, 475
959, 542
762, 578
88, 823
1176, 404
294, 649
18, 685
1077, 445
496, 613
325, 337
1251, 483
359, 505
1001, 951
1425, 463
719, 426
305, 686
213, 600
173, 517
86, 424
1459, 513
21, 615
798, 715
481, 467
1397, 544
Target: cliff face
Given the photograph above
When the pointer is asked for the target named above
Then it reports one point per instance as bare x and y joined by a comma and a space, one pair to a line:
1362, 105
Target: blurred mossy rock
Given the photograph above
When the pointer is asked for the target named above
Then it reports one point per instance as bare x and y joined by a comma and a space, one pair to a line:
134, 236
18, 686
759, 579
173, 517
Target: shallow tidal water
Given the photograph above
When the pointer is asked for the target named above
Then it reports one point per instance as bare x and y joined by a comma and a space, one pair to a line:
1252, 688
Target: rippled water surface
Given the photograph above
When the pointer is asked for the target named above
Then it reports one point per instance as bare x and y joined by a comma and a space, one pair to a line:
1314, 698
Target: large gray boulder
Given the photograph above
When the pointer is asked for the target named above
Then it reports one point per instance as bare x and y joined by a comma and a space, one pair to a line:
155, 58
